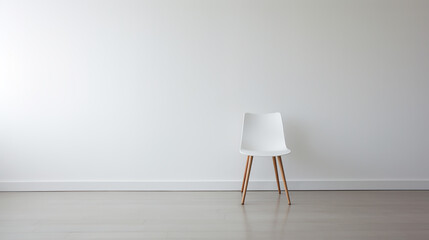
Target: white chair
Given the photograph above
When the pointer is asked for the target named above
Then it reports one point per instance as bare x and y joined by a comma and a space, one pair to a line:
263, 135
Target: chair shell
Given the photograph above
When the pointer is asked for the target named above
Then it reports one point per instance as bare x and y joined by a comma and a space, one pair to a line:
263, 135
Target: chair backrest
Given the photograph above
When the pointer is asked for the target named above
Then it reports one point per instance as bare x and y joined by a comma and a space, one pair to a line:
263, 132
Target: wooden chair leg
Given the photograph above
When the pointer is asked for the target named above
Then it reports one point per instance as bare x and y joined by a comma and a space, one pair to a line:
279, 158
245, 173
247, 180
277, 174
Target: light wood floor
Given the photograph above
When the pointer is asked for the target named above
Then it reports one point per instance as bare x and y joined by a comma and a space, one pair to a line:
215, 215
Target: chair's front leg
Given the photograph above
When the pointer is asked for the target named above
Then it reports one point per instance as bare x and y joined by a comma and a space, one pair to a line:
247, 180
245, 173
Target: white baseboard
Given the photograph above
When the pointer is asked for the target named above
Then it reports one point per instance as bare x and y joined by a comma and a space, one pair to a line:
211, 185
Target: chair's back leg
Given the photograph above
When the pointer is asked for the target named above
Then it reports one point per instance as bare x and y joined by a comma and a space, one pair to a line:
277, 175
279, 158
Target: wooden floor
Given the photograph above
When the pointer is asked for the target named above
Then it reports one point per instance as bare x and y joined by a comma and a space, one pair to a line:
318, 215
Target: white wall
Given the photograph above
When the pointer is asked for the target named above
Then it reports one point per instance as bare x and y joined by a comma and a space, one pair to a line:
150, 94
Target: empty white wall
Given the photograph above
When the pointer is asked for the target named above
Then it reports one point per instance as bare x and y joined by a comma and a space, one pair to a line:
150, 94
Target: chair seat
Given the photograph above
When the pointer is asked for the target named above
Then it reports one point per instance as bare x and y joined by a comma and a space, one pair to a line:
269, 153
